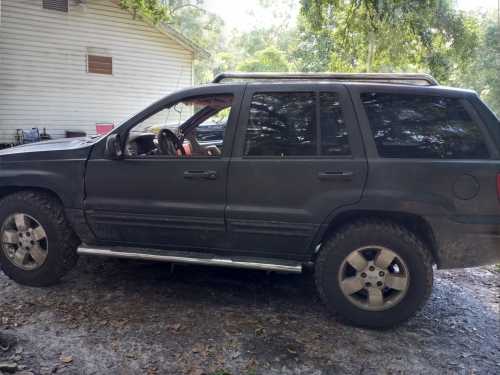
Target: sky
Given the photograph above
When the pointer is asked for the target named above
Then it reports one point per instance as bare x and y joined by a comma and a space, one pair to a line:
475, 4
245, 15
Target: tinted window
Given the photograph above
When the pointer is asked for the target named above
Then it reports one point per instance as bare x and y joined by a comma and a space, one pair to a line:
334, 140
281, 124
415, 126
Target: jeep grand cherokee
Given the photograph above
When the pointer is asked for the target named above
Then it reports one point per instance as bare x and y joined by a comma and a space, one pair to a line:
371, 180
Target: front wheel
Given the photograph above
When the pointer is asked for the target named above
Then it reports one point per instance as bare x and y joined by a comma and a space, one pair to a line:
37, 245
374, 274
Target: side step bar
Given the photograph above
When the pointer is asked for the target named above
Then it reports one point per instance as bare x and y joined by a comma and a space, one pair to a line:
192, 258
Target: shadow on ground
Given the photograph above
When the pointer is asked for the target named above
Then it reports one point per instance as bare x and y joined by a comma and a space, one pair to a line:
110, 316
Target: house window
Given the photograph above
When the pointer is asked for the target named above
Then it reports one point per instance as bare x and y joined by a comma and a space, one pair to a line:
59, 5
99, 64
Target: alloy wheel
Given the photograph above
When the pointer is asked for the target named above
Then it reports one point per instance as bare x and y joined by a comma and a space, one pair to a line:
374, 278
24, 241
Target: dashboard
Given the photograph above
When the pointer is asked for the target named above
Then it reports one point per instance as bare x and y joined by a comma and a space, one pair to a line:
141, 144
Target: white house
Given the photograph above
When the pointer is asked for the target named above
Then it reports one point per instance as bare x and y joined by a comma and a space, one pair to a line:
67, 65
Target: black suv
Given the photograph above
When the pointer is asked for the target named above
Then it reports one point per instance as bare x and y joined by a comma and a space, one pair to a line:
368, 179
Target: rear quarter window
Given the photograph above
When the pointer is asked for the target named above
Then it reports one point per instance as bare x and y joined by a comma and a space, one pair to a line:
418, 126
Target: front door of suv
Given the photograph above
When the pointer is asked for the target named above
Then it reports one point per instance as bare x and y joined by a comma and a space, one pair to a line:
156, 197
298, 156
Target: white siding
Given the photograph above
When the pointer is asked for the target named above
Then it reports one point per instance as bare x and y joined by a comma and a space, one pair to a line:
43, 74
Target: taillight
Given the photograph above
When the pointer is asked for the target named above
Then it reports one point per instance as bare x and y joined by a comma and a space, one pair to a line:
498, 186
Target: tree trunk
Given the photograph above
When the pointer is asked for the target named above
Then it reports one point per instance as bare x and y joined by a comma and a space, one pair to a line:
371, 51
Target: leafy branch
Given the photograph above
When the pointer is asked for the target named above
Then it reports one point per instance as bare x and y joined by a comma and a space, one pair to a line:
158, 10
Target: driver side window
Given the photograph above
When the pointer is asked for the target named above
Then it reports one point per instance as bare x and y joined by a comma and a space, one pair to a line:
193, 127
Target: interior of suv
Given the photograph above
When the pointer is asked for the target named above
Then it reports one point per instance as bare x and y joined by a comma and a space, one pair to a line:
190, 128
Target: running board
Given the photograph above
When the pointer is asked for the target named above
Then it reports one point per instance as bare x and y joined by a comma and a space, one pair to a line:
192, 258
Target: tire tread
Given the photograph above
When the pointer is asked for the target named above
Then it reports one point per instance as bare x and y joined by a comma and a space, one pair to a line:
68, 240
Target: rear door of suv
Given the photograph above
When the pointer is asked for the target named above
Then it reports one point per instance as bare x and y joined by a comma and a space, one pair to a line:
298, 156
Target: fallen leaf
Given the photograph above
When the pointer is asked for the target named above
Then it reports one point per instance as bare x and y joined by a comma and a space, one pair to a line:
198, 348
196, 371
292, 351
235, 355
260, 331
66, 359
174, 327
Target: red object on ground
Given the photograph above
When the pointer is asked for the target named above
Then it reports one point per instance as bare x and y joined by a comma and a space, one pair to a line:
103, 128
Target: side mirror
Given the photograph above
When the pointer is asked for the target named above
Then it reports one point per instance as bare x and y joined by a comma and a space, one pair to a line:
114, 147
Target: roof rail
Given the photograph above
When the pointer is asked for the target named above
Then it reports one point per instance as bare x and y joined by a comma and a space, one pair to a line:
419, 79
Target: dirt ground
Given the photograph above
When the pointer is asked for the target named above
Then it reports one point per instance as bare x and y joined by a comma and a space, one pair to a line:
124, 317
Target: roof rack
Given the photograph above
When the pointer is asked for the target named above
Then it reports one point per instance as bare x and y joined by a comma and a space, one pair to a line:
419, 79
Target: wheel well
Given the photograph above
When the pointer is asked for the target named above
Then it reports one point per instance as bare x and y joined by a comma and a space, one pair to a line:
8, 190
414, 223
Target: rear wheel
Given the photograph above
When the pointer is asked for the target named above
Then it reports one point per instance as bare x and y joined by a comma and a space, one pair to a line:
37, 246
374, 274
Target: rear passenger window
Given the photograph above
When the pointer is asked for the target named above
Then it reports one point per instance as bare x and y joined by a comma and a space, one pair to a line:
416, 126
334, 140
282, 124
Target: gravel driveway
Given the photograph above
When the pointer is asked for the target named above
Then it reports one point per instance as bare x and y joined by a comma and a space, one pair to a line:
110, 316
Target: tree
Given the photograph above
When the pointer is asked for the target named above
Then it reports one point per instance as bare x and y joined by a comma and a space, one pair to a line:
158, 10
345, 35
155, 10
269, 59
206, 30
390, 35
482, 74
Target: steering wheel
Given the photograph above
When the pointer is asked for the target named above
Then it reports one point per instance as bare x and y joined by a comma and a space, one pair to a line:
169, 143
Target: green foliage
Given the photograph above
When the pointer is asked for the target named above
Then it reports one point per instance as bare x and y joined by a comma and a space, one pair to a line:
489, 64
346, 36
160, 10
483, 73
206, 30
155, 10
263, 49
269, 59
390, 35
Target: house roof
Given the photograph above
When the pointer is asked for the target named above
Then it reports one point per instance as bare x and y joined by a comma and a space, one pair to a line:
183, 40
170, 32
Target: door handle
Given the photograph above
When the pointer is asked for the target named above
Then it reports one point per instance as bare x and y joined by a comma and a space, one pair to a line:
339, 175
207, 175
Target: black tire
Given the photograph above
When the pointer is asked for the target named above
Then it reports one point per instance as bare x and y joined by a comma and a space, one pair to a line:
61, 255
369, 233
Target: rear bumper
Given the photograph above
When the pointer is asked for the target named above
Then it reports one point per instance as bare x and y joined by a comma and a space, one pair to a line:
466, 241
